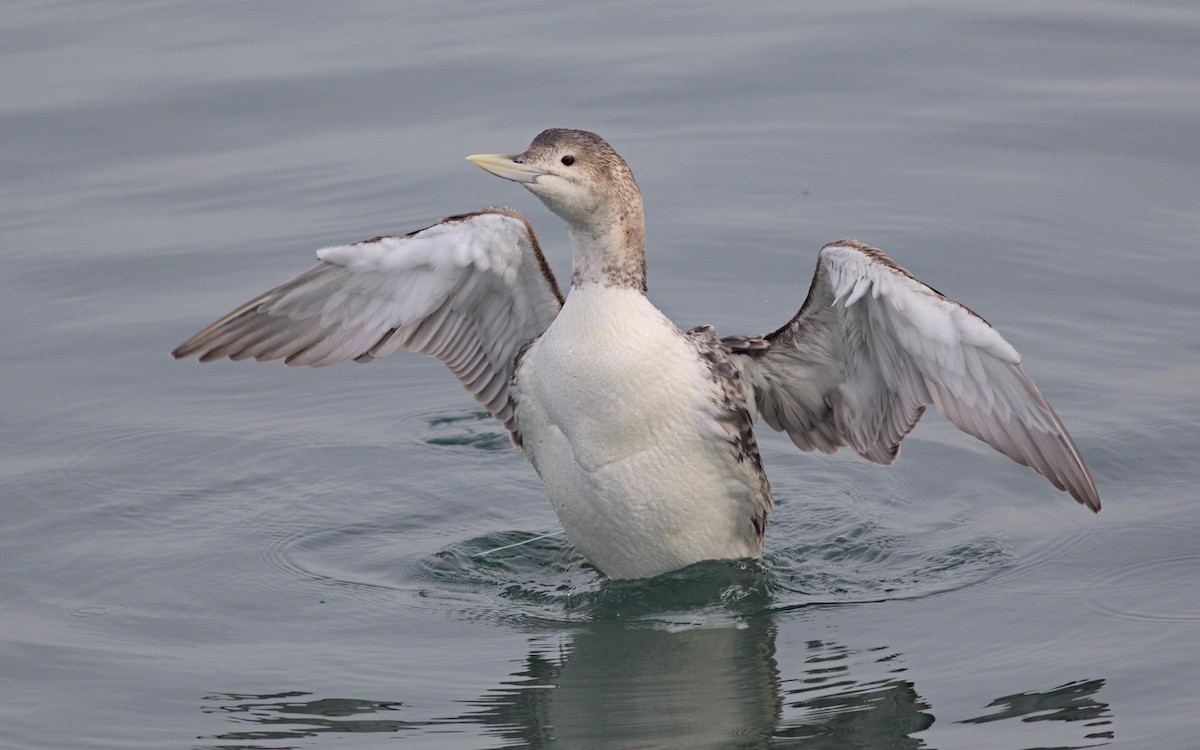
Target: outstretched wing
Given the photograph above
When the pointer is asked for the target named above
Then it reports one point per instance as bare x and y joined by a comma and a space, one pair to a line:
470, 290
873, 346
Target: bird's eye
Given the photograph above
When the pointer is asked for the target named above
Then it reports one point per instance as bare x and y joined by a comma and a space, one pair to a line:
568, 160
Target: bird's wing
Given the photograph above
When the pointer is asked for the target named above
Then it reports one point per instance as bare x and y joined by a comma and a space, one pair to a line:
873, 346
469, 290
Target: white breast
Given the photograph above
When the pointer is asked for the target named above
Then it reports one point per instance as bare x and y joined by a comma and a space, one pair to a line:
616, 412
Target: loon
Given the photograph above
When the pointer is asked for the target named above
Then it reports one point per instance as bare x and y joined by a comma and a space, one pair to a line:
643, 433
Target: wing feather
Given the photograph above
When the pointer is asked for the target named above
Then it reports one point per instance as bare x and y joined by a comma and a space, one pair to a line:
873, 346
470, 290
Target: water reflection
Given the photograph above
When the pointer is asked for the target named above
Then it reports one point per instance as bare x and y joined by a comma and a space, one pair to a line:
829, 707
621, 686
1074, 701
284, 716
647, 684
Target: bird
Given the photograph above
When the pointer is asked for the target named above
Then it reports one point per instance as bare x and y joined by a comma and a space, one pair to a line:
643, 432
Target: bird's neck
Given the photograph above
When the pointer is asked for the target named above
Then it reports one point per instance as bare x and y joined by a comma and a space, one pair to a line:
611, 253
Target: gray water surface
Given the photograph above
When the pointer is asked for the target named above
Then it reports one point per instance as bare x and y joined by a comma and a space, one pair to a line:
252, 556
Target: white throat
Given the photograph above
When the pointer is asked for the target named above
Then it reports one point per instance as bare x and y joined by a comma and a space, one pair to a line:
611, 254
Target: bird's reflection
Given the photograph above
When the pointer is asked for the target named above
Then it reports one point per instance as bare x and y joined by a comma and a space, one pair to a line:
621, 686
848, 698
654, 683
278, 717
1074, 701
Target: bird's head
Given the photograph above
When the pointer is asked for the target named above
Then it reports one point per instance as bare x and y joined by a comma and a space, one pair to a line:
576, 174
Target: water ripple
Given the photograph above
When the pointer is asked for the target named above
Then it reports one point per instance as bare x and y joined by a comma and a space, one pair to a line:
530, 578
1148, 575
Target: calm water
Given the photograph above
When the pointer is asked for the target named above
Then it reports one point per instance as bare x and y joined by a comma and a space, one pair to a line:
249, 556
